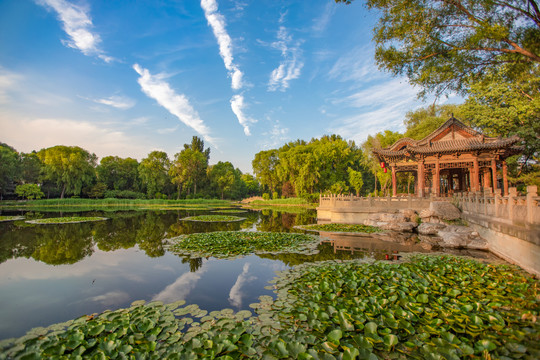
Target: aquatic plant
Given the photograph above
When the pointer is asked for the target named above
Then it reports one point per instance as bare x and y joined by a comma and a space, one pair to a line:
213, 218
226, 244
352, 228
10, 218
432, 307
66, 220
230, 211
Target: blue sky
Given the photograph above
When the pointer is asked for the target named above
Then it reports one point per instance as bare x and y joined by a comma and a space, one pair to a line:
128, 77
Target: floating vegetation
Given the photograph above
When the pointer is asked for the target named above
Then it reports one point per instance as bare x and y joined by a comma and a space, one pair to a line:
227, 244
230, 211
152, 331
10, 218
433, 307
213, 218
351, 228
66, 220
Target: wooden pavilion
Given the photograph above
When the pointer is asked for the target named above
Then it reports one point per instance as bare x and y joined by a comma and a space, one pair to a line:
454, 158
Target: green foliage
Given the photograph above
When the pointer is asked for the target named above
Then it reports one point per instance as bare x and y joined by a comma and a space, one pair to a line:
351, 228
9, 169
356, 180
433, 307
213, 218
154, 172
97, 191
124, 194
288, 201
119, 174
441, 46
266, 196
29, 191
227, 244
70, 167
66, 220
423, 121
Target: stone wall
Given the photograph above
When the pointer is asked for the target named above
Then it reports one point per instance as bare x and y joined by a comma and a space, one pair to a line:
510, 224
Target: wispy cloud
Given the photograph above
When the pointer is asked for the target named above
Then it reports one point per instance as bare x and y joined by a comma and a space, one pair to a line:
8, 81
217, 23
236, 294
276, 136
111, 298
237, 106
181, 287
356, 65
119, 102
177, 104
320, 23
290, 66
78, 26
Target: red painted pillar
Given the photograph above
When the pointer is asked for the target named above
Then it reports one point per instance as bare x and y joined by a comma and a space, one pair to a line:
505, 178
494, 173
394, 185
475, 176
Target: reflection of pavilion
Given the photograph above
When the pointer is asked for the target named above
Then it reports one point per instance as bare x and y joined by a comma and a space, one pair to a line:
372, 242
454, 158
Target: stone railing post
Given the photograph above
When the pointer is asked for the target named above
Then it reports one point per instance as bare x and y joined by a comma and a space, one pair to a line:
512, 194
496, 199
531, 203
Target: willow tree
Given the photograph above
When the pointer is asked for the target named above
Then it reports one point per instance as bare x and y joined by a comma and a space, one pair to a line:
441, 45
154, 172
70, 167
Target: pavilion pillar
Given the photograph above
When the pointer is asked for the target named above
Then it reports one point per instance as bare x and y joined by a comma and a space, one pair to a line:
505, 177
420, 179
475, 176
487, 178
494, 173
436, 179
394, 185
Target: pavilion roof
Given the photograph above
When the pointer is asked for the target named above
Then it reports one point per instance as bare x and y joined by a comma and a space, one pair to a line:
444, 141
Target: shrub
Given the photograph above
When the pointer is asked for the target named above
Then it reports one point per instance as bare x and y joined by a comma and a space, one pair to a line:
266, 196
124, 194
29, 191
275, 195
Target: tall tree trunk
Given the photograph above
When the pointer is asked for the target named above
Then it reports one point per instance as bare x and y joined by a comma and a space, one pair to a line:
63, 191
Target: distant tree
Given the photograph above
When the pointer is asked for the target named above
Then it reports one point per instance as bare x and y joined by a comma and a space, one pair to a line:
197, 144
9, 169
70, 167
356, 180
378, 141
154, 173
118, 173
223, 175
30, 168
29, 191
287, 189
264, 166
252, 185
188, 168
97, 191
441, 45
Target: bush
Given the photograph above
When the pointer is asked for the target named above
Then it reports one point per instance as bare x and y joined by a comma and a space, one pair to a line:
266, 196
124, 194
275, 195
29, 191
312, 198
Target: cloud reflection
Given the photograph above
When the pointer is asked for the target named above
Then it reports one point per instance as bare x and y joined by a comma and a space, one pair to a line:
236, 294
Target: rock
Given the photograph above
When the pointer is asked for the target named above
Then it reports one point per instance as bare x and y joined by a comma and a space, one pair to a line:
427, 228
410, 214
398, 226
444, 210
454, 236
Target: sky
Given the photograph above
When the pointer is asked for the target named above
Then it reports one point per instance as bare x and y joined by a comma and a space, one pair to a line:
124, 78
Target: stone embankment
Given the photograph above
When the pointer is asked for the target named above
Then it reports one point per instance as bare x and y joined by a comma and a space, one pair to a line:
437, 227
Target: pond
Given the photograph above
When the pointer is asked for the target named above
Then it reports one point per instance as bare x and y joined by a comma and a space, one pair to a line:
53, 273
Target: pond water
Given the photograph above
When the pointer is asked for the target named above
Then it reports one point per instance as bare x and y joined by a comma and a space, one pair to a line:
53, 273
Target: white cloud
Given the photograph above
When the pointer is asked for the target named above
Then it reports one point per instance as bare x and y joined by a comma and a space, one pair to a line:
119, 102
236, 294
276, 136
237, 106
181, 288
217, 23
77, 24
356, 65
111, 298
96, 138
290, 66
8, 82
177, 104
320, 23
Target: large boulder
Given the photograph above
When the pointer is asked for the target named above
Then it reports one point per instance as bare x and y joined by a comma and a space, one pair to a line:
454, 236
440, 210
391, 221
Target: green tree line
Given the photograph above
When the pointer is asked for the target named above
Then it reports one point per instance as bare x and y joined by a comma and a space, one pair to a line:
61, 171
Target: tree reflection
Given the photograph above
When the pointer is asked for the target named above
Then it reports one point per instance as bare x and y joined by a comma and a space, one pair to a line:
151, 234
194, 263
67, 244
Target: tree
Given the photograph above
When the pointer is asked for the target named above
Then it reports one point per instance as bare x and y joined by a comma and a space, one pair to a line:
356, 180
9, 169
97, 191
423, 121
70, 167
30, 168
118, 173
188, 168
441, 44
197, 144
223, 175
252, 185
29, 191
264, 165
154, 173
380, 140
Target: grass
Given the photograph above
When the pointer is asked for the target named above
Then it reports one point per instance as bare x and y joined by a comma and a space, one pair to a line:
10, 218
213, 218
283, 202
350, 228
121, 203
